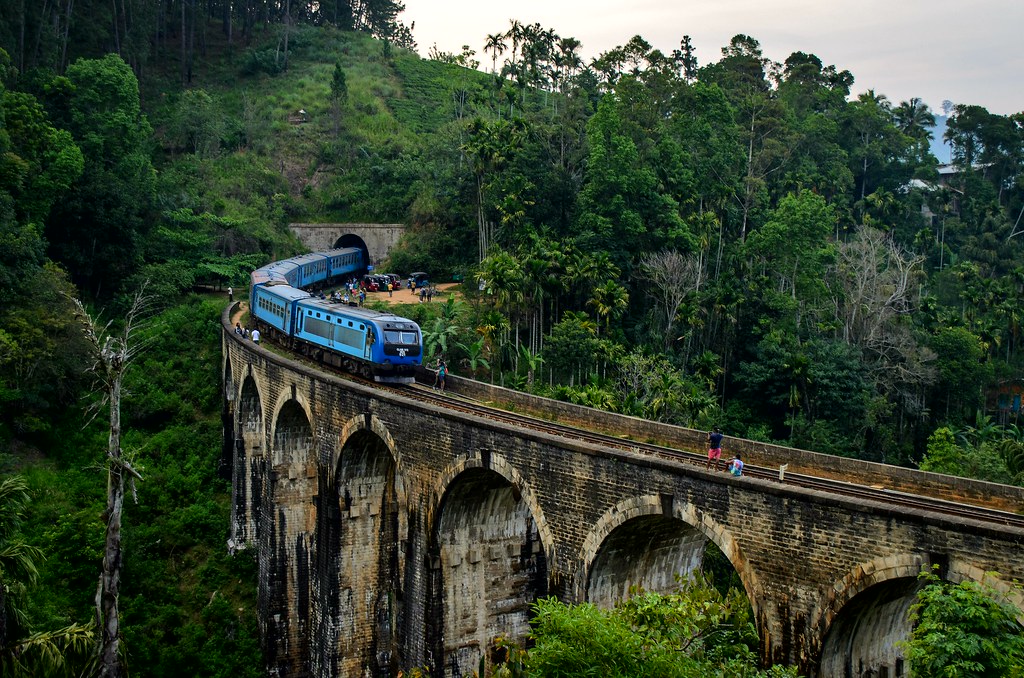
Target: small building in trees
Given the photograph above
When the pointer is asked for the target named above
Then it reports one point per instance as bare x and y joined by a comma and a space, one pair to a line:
1004, 400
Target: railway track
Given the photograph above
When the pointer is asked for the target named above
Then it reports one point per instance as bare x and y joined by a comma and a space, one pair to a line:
902, 500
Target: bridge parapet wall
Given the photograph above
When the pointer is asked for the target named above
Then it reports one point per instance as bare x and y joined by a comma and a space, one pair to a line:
897, 478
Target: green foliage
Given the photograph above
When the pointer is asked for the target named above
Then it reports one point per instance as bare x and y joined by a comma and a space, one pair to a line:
97, 232
965, 630
962, 371
186, 605
18, 560
268, 61
694, 631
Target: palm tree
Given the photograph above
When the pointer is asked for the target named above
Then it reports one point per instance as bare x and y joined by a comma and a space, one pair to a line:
17, 559
533, 361
475, 353
436, 337
609, 300
496, 46
69, 650
913, 118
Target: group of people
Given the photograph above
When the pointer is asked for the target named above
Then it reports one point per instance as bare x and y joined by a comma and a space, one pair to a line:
244, 333
345, 297
427, 293
735, 466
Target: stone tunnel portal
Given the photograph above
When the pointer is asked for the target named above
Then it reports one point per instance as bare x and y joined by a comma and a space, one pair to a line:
488, 568
353, 240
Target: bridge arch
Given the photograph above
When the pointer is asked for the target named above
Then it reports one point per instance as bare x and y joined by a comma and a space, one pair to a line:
488, 562
502, 466
865, 614
291, 410
229, 385
960, 571
249, 470
357, 564
284, 593
685, 547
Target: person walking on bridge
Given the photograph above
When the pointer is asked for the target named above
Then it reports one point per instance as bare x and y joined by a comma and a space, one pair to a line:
714, 448
442, 374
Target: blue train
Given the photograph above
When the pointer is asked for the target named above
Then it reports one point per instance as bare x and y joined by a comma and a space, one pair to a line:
379, 346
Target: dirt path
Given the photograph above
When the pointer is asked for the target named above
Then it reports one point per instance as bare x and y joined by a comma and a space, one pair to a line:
407, 296
236, 317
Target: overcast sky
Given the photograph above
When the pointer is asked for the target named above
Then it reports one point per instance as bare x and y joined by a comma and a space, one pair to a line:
967, 51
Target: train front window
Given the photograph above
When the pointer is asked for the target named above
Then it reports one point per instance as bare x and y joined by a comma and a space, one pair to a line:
405, 337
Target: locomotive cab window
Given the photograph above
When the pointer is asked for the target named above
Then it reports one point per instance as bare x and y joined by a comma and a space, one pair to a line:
407, 337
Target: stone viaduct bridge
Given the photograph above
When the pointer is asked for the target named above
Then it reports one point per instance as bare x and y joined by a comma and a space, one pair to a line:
392, 534
376, 240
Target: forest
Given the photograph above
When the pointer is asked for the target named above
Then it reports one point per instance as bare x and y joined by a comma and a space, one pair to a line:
705, 241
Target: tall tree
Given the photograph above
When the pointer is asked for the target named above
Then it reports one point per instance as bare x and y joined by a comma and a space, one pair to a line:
96, 233
339, 94
114, 354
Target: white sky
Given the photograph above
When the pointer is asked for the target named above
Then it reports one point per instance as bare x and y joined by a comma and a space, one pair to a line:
967, 51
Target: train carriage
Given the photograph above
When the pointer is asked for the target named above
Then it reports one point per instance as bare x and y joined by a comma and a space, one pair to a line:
310, 270
377, 345
273, 306
344, 261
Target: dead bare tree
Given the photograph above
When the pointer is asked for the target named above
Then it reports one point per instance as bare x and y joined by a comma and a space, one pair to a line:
114, 353
673, 277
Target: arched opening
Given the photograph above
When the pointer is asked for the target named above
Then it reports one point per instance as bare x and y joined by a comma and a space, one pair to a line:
248, 468
488, 566
284, 571
356, 592
352, 240
647, 551
863, 638
227, 420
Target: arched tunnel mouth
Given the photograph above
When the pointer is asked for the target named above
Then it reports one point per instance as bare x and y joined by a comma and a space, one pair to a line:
352, 240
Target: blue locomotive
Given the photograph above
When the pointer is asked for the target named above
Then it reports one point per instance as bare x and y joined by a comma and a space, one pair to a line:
379, 346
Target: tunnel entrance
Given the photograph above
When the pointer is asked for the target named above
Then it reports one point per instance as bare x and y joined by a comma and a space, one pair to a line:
352, 240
